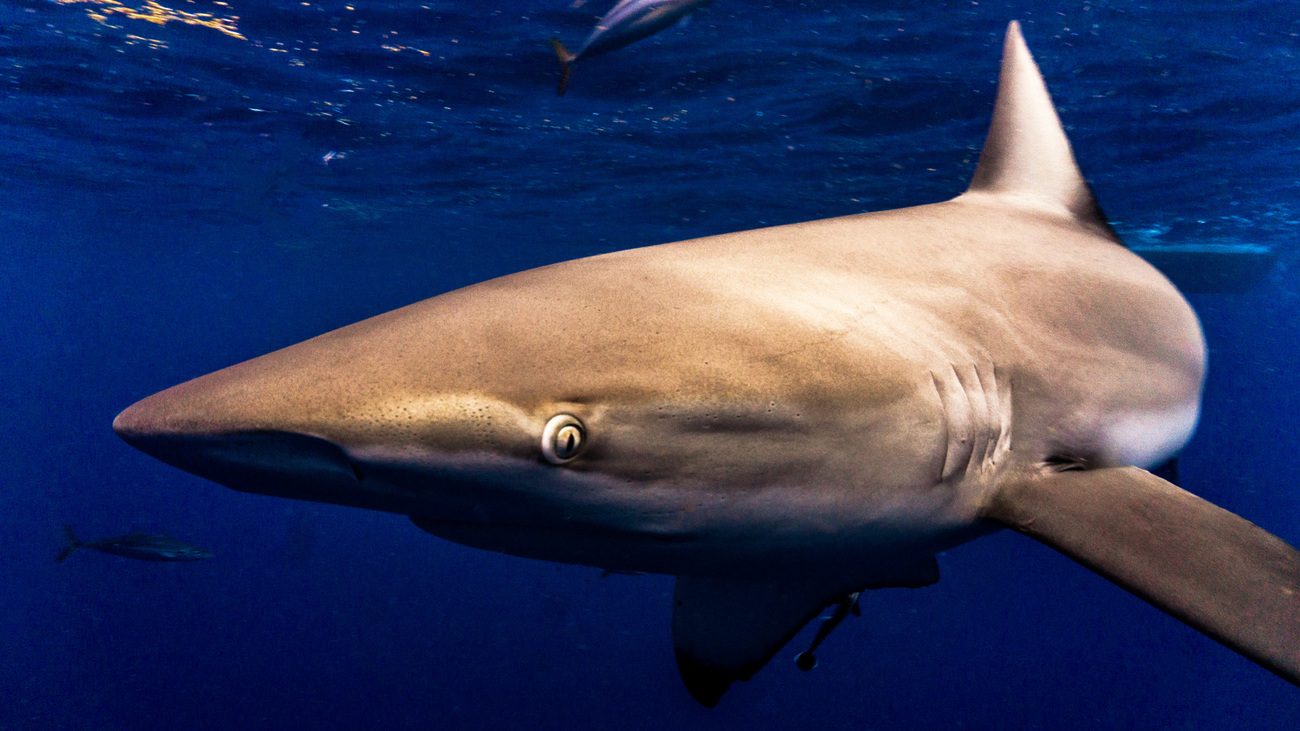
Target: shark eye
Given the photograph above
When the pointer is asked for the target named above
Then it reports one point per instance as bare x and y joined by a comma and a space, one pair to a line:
562, 439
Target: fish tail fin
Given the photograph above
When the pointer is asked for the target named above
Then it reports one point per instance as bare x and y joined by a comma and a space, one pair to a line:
566, 65
73, 544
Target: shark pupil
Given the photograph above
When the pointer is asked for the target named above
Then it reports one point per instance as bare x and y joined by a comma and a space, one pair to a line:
568, 442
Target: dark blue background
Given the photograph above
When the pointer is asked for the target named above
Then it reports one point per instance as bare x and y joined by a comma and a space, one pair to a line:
167, 211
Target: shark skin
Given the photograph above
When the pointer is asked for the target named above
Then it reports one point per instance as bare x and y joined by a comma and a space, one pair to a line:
781, 417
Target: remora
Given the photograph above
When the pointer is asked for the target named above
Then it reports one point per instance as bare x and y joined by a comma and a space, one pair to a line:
781, 417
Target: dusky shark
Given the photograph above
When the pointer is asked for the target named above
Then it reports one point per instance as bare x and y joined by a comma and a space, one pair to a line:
627, 22
781, 417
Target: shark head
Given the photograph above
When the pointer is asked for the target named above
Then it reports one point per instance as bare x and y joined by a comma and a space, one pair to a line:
624, 410
781, 417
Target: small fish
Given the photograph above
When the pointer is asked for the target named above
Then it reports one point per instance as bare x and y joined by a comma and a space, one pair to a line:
807, 660
629, 21
138, 546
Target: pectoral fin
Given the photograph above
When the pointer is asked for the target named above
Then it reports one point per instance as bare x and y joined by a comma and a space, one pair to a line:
1205, 566
724, 630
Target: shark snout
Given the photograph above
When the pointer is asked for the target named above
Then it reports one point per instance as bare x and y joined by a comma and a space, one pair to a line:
140, 422
215, 439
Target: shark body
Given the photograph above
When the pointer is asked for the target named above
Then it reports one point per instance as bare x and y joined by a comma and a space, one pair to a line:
781, 417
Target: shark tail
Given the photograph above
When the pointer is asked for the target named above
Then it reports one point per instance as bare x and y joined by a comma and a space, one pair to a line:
566, 65
73, 544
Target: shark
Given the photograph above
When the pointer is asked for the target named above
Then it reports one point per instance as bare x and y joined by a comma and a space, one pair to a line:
627, 22
782, 418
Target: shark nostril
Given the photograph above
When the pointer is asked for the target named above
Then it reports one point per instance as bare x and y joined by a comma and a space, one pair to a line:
356, 471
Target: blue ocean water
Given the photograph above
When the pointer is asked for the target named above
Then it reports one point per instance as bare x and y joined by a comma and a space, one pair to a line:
189, 185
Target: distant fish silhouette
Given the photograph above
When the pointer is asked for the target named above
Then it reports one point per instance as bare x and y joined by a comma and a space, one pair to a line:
137, 546
629, 21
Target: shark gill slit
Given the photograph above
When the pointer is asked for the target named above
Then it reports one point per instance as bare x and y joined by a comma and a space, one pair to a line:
977, 418
981, 421
957, 417
989, 386
998, 397
943, 407
1005, 406
962, 416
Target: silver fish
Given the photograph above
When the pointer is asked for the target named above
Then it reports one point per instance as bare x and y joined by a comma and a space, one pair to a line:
627, 22
136, 545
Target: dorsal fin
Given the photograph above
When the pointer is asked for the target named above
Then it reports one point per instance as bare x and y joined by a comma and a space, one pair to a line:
1027, 155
